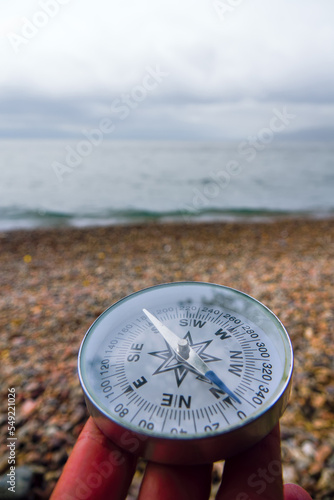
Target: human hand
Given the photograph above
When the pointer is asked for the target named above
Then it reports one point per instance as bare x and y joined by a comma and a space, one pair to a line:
97, 469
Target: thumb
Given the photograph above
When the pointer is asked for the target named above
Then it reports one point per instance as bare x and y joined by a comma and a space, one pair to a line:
294, 492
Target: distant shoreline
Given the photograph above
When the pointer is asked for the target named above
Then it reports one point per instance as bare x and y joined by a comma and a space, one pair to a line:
58, 222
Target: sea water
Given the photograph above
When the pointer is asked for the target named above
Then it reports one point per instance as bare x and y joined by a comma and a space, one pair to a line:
59, 182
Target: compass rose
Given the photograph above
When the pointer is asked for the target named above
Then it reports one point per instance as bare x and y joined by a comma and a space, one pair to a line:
173, 363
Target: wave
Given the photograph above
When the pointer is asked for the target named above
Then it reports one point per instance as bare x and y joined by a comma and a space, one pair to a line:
20, 218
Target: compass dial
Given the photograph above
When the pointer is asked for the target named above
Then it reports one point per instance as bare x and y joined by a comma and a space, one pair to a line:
146, 397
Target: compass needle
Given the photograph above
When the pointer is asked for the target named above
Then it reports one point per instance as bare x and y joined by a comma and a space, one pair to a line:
138, 371
181, 346
216, 380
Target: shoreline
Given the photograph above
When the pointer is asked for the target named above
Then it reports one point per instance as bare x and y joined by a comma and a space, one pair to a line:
202, 219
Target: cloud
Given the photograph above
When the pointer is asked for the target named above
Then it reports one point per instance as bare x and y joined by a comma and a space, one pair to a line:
226, 73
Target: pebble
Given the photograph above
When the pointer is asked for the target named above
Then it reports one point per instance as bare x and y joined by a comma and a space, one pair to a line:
28, 407
289, 474
308, 449
55, 283
326, 481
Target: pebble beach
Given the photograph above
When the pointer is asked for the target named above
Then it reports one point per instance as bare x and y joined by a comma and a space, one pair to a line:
55, 282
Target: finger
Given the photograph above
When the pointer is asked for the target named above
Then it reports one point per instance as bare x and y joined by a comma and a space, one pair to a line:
176, 482
294, 492
95, 469
256, 473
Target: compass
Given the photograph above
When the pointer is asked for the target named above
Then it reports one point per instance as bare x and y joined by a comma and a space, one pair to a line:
186, 372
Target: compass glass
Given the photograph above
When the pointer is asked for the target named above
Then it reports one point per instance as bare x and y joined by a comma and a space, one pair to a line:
135, 379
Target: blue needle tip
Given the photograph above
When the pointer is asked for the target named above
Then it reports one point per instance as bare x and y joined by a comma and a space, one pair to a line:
216, 380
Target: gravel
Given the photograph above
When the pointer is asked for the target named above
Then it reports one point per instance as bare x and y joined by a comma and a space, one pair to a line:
54, 283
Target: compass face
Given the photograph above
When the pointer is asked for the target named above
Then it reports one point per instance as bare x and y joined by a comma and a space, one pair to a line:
136, 383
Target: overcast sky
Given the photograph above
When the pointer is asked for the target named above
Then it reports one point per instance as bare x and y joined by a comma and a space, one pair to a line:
204, 70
